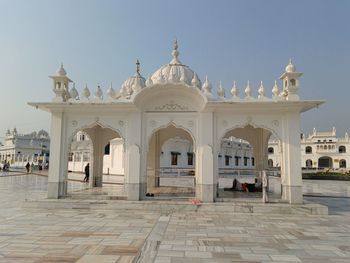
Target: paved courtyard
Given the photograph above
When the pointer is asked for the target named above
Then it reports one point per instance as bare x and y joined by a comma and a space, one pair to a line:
132, 235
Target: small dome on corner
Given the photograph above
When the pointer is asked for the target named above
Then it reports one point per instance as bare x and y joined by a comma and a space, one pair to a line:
290, 67
61, 71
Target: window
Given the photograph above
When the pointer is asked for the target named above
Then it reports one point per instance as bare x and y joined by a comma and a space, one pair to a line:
77, 157
342, 149
107, 149
253, 161
246, 161
70, 157
270, 150
308, 149
86, 157
82, 137
189, 158
237, 160
270, 163
308, 163
292, 82
227, 160
342, 163
174, 158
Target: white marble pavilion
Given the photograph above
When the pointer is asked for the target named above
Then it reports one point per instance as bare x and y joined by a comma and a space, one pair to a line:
173, 102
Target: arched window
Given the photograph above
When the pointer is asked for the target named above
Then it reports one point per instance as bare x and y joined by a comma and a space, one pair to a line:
270, 150
342, 149
270, 163
308, 149
189, 158
329, 147
107, 149
308, 163
342, 163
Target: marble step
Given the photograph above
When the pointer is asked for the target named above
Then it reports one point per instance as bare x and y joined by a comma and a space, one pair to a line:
178, 206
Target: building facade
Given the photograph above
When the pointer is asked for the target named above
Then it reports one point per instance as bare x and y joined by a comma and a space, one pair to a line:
319, 150
18, 149
171, 103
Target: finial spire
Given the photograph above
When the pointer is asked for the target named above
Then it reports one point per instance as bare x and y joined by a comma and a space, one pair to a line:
138, 67
175, 44
175, 53
290, 61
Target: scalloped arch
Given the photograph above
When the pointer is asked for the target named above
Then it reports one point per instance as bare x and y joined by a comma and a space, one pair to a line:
171, 123
254, 125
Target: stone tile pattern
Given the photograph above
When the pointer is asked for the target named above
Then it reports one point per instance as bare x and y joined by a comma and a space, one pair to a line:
129, 235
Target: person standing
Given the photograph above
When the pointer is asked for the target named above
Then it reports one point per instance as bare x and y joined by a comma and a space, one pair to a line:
87, 173
264, 182
27, 167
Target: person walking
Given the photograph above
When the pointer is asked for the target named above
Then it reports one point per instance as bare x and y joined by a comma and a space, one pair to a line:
27, 167
264, 182
87, 173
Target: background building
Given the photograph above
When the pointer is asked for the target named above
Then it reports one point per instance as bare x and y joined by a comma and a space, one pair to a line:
319, 150
18, 149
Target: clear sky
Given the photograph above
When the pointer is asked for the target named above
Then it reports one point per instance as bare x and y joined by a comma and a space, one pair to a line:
99, 41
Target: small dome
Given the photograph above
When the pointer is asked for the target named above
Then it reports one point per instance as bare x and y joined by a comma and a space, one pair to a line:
61, 71
290, 67
42, 134
133, 84
175, 71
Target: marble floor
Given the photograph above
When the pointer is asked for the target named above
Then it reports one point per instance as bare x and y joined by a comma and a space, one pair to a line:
130, 235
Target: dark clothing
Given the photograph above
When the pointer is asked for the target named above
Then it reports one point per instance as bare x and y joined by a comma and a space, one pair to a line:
27, 167
87, 173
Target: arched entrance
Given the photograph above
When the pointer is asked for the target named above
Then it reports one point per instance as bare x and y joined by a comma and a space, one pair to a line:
308, 163
342, 163
325, 162
249, 156
170, 163
99, 150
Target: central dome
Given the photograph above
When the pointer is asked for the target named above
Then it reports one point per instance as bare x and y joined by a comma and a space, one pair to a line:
175, 72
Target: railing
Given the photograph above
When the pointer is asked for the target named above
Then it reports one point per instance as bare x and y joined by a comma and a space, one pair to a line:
229, 173
173, 177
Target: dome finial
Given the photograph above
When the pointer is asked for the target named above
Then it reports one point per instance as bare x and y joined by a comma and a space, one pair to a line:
175, 44
138, 67
175, 53
61, 71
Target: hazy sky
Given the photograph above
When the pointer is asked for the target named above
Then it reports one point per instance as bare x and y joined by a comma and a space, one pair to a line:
99, 41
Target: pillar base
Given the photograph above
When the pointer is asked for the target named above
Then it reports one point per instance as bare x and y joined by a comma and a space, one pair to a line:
56, 190
275, 185
206, 192
97, 182
294, 194
133, 192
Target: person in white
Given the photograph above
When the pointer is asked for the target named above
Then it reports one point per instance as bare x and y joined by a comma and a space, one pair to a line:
264, 182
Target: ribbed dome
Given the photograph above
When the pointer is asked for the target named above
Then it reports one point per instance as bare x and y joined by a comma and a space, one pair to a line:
133, 84
61, 71
290, 67
175, 71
